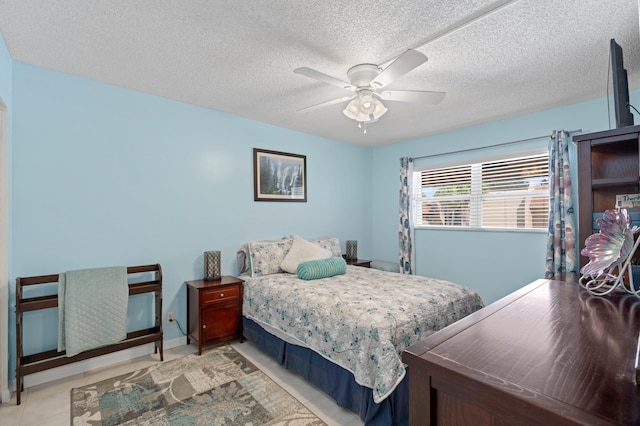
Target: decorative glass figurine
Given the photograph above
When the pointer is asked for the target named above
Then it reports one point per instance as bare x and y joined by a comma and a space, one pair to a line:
610, 252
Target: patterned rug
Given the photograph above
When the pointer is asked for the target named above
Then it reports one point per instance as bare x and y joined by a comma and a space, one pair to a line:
220, 387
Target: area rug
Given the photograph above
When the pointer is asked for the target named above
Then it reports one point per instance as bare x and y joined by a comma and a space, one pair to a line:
219, 387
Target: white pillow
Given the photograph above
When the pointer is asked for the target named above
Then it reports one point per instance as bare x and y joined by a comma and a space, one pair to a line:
301, 251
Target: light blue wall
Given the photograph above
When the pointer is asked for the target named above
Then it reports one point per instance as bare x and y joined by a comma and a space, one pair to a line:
108, 176
492, 263
6, 93
5, 72
6, 87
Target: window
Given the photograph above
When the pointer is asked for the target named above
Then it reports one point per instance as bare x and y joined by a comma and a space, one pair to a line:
505, 193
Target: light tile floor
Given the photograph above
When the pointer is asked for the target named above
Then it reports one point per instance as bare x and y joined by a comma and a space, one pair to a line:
49, 404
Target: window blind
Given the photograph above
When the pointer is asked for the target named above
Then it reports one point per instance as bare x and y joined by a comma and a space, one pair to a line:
511, 193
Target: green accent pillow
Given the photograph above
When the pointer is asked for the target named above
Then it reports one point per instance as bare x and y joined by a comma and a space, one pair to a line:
323, 268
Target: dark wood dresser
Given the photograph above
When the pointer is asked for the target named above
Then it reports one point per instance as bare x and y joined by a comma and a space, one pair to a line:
549, 354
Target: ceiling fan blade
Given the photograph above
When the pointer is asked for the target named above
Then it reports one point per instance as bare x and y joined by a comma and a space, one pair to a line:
327, 103
404, 63
325, 78
417, 96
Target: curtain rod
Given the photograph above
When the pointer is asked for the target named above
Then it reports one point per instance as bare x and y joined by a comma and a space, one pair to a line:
491, 146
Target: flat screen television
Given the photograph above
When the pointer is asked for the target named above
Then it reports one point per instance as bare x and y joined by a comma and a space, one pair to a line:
624, 117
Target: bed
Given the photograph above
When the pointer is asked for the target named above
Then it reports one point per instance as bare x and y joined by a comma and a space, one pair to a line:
345, 333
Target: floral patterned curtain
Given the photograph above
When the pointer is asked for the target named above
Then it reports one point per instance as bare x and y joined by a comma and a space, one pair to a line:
405, 232
561, 241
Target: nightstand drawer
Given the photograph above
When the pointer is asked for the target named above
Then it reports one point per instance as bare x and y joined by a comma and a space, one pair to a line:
220, 295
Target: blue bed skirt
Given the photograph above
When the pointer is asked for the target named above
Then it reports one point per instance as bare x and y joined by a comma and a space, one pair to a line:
334, 380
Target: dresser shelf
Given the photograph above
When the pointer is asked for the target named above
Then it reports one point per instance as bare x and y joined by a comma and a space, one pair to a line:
608, 165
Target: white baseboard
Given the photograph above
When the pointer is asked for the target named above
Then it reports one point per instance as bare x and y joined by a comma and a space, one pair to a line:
93, 363
6, 396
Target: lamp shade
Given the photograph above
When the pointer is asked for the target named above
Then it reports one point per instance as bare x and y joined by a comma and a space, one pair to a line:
352, 109
367, 103
379, 110
212, 265
352, 249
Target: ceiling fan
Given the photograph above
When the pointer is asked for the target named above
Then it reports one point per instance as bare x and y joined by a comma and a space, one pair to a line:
367, 80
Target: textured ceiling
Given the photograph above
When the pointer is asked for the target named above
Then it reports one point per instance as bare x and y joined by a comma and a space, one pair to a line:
494, 59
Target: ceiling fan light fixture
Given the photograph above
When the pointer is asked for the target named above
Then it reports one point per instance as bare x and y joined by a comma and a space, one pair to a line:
365, 108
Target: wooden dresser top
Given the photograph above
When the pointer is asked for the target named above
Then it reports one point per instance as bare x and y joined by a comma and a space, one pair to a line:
552, 344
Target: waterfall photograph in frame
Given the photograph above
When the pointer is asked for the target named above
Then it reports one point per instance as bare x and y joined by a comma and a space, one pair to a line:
279, 176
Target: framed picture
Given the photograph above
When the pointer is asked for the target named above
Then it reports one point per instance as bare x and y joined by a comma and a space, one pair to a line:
279, 176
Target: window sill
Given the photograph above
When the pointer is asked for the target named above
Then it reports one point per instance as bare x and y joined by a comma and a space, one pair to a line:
472, 229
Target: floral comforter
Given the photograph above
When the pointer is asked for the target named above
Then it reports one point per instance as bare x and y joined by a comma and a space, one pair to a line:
362, 320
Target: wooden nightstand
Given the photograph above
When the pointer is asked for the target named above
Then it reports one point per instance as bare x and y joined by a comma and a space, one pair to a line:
214, 311
359, 262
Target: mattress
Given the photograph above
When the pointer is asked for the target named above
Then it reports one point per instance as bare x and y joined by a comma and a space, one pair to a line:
362, 320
